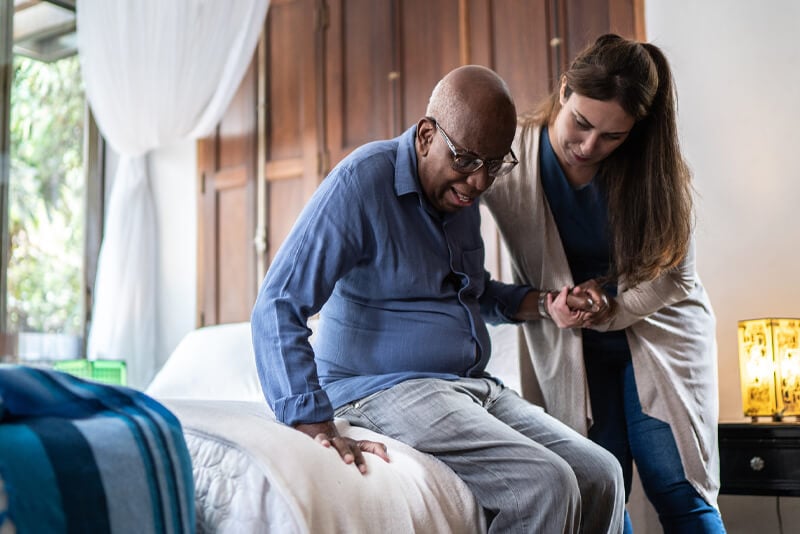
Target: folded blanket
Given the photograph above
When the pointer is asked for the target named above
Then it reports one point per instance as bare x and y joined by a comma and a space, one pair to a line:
79, 456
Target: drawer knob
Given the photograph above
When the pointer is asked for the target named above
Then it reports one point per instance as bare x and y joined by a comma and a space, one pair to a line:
756, 463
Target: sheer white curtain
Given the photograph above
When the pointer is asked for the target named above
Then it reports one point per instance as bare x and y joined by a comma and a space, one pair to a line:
156, 71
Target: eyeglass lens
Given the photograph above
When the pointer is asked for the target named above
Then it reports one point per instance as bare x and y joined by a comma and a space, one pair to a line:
468, 165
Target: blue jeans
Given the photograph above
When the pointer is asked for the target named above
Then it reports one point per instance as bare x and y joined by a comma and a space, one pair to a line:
622, 428
530, 472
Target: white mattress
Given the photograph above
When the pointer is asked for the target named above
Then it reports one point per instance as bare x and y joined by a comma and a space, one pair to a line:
255, 475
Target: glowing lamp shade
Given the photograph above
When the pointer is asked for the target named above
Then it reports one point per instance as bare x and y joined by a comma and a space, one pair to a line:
769, 367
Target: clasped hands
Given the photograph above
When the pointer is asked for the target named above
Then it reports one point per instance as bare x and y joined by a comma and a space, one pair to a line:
349, 449
582, 306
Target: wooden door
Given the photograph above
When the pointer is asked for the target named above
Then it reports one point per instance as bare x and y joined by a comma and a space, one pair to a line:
516, 38
227, 212
429, 47
382, 59
361, 75
585, 20
294, 135
282, 151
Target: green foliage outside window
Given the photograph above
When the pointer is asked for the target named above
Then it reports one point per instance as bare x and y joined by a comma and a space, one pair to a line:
46, 197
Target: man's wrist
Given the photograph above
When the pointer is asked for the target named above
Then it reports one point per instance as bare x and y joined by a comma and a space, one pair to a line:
327, 428
543, 312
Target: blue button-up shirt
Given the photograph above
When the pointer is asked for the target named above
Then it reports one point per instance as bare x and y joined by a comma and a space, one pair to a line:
402, 290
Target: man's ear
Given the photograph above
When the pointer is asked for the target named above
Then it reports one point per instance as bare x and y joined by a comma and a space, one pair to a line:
426, 131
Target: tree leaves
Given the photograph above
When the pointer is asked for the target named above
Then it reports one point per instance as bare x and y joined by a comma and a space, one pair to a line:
46, 201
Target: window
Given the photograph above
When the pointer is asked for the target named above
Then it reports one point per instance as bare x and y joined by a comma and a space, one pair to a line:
50, 237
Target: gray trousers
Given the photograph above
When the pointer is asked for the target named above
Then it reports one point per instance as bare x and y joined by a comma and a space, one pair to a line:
530, 472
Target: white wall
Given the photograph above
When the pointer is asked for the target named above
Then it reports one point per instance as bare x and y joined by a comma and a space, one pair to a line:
737, 70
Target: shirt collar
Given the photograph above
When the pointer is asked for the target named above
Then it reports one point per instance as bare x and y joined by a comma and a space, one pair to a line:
406, 179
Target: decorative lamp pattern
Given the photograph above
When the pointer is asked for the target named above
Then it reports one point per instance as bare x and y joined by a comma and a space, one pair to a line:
769, 367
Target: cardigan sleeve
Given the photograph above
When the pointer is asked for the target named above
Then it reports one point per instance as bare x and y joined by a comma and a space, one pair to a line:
638, 302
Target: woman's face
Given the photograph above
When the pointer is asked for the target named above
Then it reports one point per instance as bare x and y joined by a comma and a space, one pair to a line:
586, 131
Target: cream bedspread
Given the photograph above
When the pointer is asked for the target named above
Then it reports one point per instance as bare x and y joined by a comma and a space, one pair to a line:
253, 474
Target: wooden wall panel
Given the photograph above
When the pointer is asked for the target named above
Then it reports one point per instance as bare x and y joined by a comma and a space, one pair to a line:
588, 19
286, 83
286, 201
227, 212
429, 45
234, 291
626, 17
360, 72
293, 145
477, 21
521, 50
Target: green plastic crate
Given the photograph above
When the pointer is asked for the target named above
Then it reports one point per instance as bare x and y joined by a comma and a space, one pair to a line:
106, 371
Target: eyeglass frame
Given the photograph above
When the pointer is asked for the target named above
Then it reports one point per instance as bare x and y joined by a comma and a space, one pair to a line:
456, 153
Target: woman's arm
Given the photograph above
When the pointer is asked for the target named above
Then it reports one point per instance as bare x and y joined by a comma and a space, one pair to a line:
635, 303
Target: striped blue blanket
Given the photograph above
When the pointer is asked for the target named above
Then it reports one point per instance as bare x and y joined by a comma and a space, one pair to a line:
83, 457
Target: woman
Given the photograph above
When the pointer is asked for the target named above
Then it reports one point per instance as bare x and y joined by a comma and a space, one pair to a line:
604, 200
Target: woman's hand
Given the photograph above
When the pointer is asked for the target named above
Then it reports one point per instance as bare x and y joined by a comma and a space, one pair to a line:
569, 308
349, 449
604, 305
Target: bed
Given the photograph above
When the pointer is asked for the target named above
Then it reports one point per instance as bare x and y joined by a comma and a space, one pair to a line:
253, 474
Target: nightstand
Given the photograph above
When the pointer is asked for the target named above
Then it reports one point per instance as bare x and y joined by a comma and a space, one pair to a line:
760, 458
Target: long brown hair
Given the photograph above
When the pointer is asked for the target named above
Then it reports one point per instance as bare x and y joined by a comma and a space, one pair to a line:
646, 179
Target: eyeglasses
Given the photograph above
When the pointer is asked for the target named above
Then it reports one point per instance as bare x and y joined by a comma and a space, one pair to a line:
468, 163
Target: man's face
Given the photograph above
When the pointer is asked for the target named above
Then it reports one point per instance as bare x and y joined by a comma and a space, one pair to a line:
447, 189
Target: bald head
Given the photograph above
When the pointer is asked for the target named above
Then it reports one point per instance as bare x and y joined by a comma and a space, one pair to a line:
474, 101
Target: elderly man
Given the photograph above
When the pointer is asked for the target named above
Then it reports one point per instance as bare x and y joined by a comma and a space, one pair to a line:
389, 249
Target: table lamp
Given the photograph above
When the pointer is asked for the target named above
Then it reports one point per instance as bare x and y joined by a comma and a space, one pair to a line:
769, 367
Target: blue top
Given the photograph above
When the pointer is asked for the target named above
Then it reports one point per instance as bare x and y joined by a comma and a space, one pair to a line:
404, 290
581, 216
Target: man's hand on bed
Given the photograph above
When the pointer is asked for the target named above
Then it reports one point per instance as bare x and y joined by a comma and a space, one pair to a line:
349, 449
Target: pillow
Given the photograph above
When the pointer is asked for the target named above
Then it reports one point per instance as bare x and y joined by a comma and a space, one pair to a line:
213, 362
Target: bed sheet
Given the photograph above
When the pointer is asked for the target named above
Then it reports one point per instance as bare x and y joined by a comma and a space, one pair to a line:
253, 474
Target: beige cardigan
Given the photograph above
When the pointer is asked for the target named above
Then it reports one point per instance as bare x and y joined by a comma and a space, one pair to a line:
669, 324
